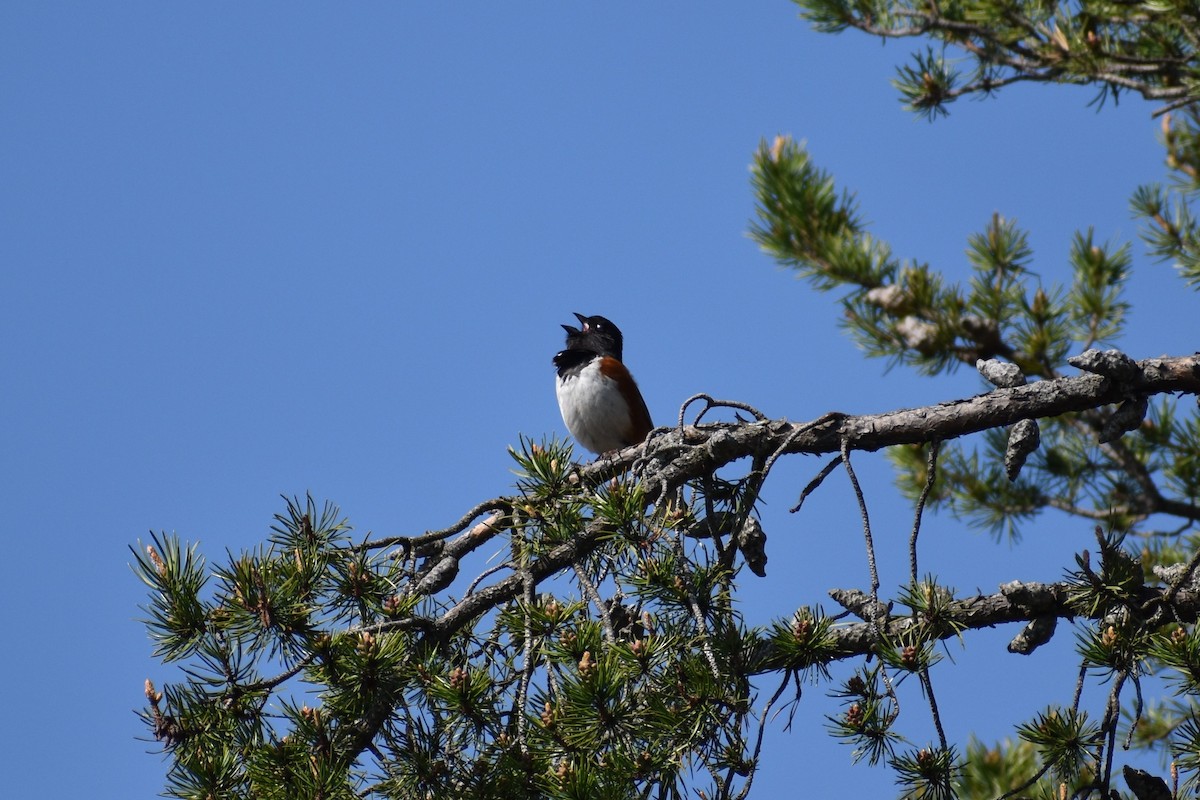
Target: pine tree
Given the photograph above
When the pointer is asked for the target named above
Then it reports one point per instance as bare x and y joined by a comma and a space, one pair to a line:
605, 655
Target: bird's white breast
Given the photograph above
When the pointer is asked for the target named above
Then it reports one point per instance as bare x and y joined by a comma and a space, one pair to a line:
593, 409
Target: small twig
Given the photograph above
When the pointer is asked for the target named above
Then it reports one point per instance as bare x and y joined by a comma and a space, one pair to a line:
1106, 515
646, 450
526, 661
552, 687
866, 521
489, 571
683, 408
594, 596
930, 478
1174, 104
414, 623
1037, 776
1138, 707
933, 707
710, 403
1079, 686
815, 482
694, 605
702, 632
873, 568
758, 739
891, 691
408, 542
271, 683
1112, 714
780, 450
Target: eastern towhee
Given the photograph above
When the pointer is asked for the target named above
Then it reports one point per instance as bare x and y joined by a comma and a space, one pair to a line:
599, 401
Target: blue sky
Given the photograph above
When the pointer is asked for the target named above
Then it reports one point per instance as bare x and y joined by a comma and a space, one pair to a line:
274, 248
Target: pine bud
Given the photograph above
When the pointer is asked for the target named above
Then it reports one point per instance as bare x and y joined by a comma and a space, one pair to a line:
917, 334
156, 560
889, 298
1109, 638
777, 148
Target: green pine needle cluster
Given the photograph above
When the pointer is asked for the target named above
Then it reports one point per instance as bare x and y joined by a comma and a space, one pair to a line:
907, 312
979, 47
310, 669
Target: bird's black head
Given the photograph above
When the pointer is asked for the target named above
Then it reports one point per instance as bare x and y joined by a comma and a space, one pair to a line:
597, 334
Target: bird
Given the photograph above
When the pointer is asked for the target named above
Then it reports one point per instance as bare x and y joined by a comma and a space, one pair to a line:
598, 398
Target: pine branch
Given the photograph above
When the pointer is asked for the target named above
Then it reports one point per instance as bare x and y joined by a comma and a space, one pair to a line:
1123, 47
673, 456
682, 454
1015, 602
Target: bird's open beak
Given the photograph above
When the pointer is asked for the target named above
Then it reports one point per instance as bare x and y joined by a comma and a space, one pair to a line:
571, 330
582, 320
